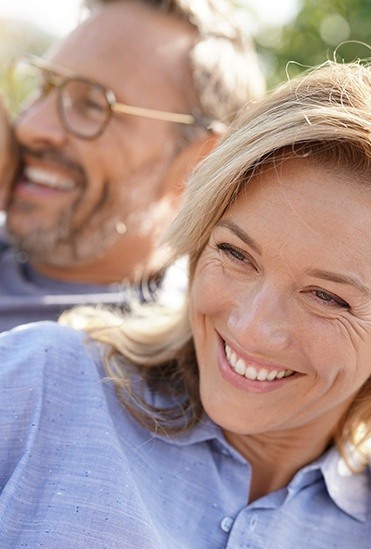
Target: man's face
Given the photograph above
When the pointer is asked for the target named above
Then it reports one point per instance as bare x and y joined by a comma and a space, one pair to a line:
75, 197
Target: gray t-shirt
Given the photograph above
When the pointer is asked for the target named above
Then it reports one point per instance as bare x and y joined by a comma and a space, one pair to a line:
27, 296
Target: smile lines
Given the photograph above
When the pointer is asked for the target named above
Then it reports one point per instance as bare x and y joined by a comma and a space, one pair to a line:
252, 373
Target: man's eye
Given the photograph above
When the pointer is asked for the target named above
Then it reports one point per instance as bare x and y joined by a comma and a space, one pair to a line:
89, 104
330, 299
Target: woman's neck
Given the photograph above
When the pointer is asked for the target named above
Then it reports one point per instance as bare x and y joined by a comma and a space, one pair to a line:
275, 459
276, 456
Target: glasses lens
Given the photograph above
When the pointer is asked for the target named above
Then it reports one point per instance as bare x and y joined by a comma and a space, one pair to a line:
84, 107
25, 84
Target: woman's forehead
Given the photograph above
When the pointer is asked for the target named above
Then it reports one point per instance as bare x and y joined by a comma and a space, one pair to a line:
308, 174
315, 203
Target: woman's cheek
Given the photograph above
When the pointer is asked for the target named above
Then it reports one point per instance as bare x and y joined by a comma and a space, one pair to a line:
209, 288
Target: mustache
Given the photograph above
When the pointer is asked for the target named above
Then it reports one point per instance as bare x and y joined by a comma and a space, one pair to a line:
52, 156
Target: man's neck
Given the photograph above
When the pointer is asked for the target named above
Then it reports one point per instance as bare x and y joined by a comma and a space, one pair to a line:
104, 270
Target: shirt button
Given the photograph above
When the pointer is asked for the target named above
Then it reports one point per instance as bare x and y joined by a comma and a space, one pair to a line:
253, 522
226, 524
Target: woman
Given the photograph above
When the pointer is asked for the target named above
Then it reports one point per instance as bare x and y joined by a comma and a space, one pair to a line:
243, 420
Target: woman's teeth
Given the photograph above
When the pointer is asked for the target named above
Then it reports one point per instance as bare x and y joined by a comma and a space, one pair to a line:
250, 372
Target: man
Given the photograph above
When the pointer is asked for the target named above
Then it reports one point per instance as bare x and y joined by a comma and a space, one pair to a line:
129, 102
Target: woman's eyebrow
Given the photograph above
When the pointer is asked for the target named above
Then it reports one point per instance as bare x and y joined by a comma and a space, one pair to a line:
340, 279
235, 229
325, 275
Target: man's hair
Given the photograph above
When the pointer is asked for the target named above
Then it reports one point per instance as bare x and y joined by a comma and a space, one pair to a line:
223, 62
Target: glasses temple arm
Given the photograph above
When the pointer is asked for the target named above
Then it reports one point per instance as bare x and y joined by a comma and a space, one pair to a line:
156, 115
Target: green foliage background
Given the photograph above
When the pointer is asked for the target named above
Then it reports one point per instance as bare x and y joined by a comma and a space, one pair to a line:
310, 38
18, 37
320, 28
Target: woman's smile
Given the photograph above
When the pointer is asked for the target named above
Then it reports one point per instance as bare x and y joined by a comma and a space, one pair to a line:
251, 371
250, 374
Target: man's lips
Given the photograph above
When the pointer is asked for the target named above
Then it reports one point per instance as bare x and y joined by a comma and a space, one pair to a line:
43, 181
48, 178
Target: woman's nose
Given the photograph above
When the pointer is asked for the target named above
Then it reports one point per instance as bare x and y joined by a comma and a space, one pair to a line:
260, 320
39, 124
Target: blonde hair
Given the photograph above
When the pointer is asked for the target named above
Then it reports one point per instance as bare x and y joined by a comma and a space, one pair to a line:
324, 115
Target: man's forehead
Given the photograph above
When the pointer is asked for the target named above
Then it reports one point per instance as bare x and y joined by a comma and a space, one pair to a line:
125, 35
115, 27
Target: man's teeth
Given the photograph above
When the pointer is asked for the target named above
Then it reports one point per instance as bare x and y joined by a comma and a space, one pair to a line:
260, 374
48, 179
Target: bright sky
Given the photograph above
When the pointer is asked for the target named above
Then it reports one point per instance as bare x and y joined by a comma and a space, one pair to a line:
60, 16
54, 16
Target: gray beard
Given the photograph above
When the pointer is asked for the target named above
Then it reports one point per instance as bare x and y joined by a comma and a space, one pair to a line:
64, 246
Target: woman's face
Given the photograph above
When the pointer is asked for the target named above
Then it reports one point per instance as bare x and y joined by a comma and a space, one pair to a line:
281, 301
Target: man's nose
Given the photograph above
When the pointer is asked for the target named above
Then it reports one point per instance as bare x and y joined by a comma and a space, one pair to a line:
260, 320
39, 124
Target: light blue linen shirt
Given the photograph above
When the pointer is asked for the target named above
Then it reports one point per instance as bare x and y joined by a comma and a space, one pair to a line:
77, 472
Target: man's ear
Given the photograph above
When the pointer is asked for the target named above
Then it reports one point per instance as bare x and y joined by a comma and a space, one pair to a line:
186, 160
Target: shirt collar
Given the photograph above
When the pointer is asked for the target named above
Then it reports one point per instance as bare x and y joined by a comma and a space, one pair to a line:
349, 491
206, 430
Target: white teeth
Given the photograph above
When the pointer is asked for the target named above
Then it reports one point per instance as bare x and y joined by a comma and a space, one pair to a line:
233, 359
252, 373
262, 374
240, 367
48, 179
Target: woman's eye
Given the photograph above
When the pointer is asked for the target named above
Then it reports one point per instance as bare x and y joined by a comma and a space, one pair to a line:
330, 299
232, 252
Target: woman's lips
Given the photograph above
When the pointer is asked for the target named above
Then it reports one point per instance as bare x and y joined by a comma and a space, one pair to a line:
252, 370
250, 375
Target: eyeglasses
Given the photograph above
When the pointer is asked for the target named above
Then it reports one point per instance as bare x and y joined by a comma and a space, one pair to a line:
84, 106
